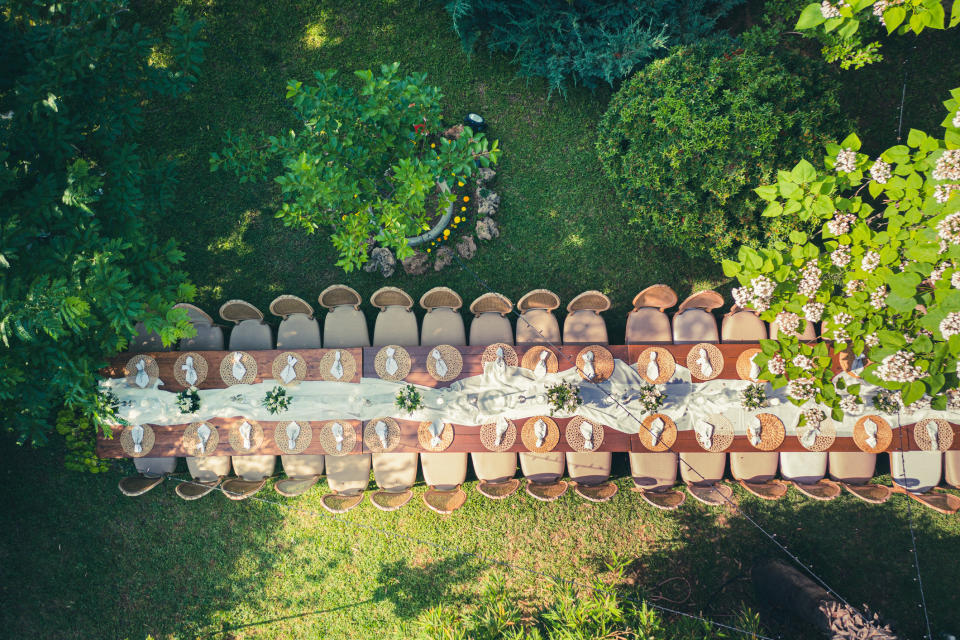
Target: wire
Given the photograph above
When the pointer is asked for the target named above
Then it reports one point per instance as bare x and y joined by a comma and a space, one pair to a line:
913, 536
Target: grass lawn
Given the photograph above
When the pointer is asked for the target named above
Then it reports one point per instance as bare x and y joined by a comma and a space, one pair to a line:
92, 564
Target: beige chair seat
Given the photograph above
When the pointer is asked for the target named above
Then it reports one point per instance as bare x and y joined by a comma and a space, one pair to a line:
590, 467
648, 326
155, 467
210, 468
742, 326
542, 467
251, 334
490, 328
345, 327
694, 325
654, 471
208, 338
702, 468
395, 472
348, 474
444, 471
916, 471
584, 326
302, 465
254, 467
396, 325
443, 326
537, 326
491, 466
298, 331
760, 466
804, 467
951, 464
853, 467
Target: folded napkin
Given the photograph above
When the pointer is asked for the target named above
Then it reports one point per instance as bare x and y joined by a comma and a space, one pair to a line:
440, 365
754, 367
653, 370
704, 431
293, 432
189, 373
588, 371
933, 430
336, 370
499, 363
436, 428
755, 431
809, 437
245, 429
143, 379
137, 434
381, 430
203, 435
337, 430
391, 364
870, 428
502, 427
238, 369
541, 369
540, 430
289, 372
657, 425
586, 430
703, 361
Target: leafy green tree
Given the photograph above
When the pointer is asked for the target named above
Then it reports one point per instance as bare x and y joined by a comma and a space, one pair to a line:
686, 138
366, 163
881, 271
78, 268
584, 42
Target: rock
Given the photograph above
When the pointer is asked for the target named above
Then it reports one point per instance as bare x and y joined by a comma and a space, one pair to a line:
485, 175
444, 258
381, 259
487, 229
416, 264
453, 132
488, 202
467, 248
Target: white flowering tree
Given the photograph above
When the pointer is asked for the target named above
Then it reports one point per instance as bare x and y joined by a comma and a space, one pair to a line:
881, 271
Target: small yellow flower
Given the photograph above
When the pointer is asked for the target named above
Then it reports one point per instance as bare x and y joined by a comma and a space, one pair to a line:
446, 233
456, 220
454, 226
466, 198
459, 183
354, 195
433, 146
343, 217
428, 250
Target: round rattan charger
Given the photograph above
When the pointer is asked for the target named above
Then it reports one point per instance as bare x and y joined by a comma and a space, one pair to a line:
280, 363
772, 431
743, 364
510, 357
402, 358
488, 435
424, 436
884, 434
256, 436
150, 366
329, 443
714, 355
372, 441
667, 438
226, 368
304, 438
199, 365
532, 357
666, 365
823, 441
722, 433
191, 441
347, 361
602, 363
575, 438
451, 357
529, 437
146, 444
944, 435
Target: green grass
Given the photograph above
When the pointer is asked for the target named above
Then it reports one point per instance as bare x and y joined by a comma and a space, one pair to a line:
81, 561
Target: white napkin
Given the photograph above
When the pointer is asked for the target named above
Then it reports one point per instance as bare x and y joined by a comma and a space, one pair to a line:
933, 430
653, 370
540, 430
203, 435
289, 372
381, 430
293, 432
502, 426
704, 431
190, 374
809, 437
440, 366
245, 434
337, 369
391, 364
541, 369
870, 428
703, 360
499, 362
337, 430
142, 378
588, 371
137, 434
754, 367
436, 428
656, 430
586, 430
238, 369
755, 431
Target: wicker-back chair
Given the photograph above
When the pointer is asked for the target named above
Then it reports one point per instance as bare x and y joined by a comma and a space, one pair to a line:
196, 314
659, 296
391, 297
286, 305
589, 301
441, 297
237, 311
491, 303
706, 300
338, 295
539, 299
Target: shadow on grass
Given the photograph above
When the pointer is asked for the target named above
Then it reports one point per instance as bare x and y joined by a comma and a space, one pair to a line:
414, 588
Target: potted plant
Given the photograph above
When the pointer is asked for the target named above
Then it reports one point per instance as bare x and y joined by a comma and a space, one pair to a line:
277, 400
409, 399
564, 397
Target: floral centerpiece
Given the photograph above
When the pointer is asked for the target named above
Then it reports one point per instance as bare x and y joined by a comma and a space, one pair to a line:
277, 400
409, 399
188, 400
651, 398
564, 397
753, 397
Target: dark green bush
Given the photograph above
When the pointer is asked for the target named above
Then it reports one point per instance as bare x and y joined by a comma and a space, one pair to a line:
686, 139
584, 41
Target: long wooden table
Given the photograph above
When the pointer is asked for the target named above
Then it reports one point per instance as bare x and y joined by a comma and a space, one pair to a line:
168, 439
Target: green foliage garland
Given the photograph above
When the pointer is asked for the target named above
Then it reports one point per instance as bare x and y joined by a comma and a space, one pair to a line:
408, 399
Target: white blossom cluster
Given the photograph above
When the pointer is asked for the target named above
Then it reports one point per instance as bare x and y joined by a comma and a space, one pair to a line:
853, 286
953, 399
950, 326
813, 311
871, 260
956, 119
801, 389
828, 10
882, 5
841, 223
842, 319
802, 362
809, 280
841, 335
762, 290
948, 166
847, 161
849, 404
955, 280
878, 298
742, 296
840, 257
938, 272
949, 228
943, 247
881, 171
899, 367
814, 416
941, 192
777, 365
871, 340
788, 323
